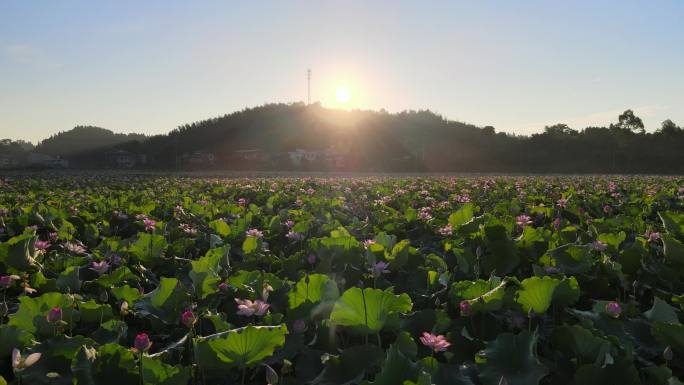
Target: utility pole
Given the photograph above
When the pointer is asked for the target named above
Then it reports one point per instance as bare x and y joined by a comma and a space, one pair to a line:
308, 86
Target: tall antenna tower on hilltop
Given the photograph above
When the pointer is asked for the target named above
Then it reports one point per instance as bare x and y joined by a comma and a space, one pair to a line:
308, 86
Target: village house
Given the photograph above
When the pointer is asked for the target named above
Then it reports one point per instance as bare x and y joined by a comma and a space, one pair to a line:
8, 161
199, 159
122, 159
46, 161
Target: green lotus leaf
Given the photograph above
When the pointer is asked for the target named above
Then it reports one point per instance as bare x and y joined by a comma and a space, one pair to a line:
673, 223
127, 293
32, 313
536, 293
220, 227
205, 272
13, 337
17, 253
117, 277
582, 343
570, 259
482, 295
242, 347
661, 311
155, 372
250, 245
396, 368
671, 334
95, 313
313, 289
500, 257
254, 280
567, 292
462, 215
110, 364
621, 372
368, 310
149, 248
349, 367
511, 356
673, 249
165, 303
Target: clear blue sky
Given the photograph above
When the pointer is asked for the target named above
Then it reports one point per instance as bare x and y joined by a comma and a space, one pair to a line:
149, 66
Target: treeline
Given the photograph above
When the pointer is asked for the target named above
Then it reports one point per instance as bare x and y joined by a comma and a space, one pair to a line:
411, 141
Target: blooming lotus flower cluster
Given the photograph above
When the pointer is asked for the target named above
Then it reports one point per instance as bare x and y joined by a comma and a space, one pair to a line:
437, 343
249, 308
523, 220
446, 230
425, 213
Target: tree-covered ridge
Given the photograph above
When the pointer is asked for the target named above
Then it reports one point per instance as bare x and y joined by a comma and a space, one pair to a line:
83, 139
379, 141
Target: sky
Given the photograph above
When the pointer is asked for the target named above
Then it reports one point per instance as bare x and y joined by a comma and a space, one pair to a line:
150, 66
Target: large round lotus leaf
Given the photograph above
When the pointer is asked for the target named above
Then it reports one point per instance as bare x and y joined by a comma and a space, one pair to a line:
369, 309
536, 293
671, 334
242, 347
156, 372
313, 288
511, 356
482, 295
149, 248
32, 313
110, 364
350, 366
165, 303
462, 216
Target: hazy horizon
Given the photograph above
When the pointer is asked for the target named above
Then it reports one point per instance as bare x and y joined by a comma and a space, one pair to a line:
148, 68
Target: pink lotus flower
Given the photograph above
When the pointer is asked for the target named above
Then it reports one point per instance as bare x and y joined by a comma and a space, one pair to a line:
75, 248
100, 267
367, 243
41, 245
149, 224
54, 315
242, 202
311, 259
523, 220
20, 363
254, 233
188, 318
289, 223
613, 309
379, 268
7, 280
651, 236
562, 203
437, 343
142, 343
598, 245
294, 236
248, 308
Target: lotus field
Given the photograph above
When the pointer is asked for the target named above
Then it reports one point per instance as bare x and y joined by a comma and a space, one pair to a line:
373, 280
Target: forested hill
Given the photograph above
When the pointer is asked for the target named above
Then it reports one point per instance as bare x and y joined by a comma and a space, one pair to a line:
378, 141
83, 139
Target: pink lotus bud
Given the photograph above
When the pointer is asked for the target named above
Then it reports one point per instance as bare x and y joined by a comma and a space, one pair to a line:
54, 315
142, 343
614, 309
464, 306
188, 318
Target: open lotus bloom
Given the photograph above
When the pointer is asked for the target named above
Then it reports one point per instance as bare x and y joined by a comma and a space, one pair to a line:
21, 363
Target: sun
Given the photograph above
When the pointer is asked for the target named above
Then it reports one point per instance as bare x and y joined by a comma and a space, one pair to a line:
342, 94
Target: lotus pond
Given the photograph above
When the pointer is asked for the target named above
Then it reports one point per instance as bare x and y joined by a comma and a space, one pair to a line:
371, 280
